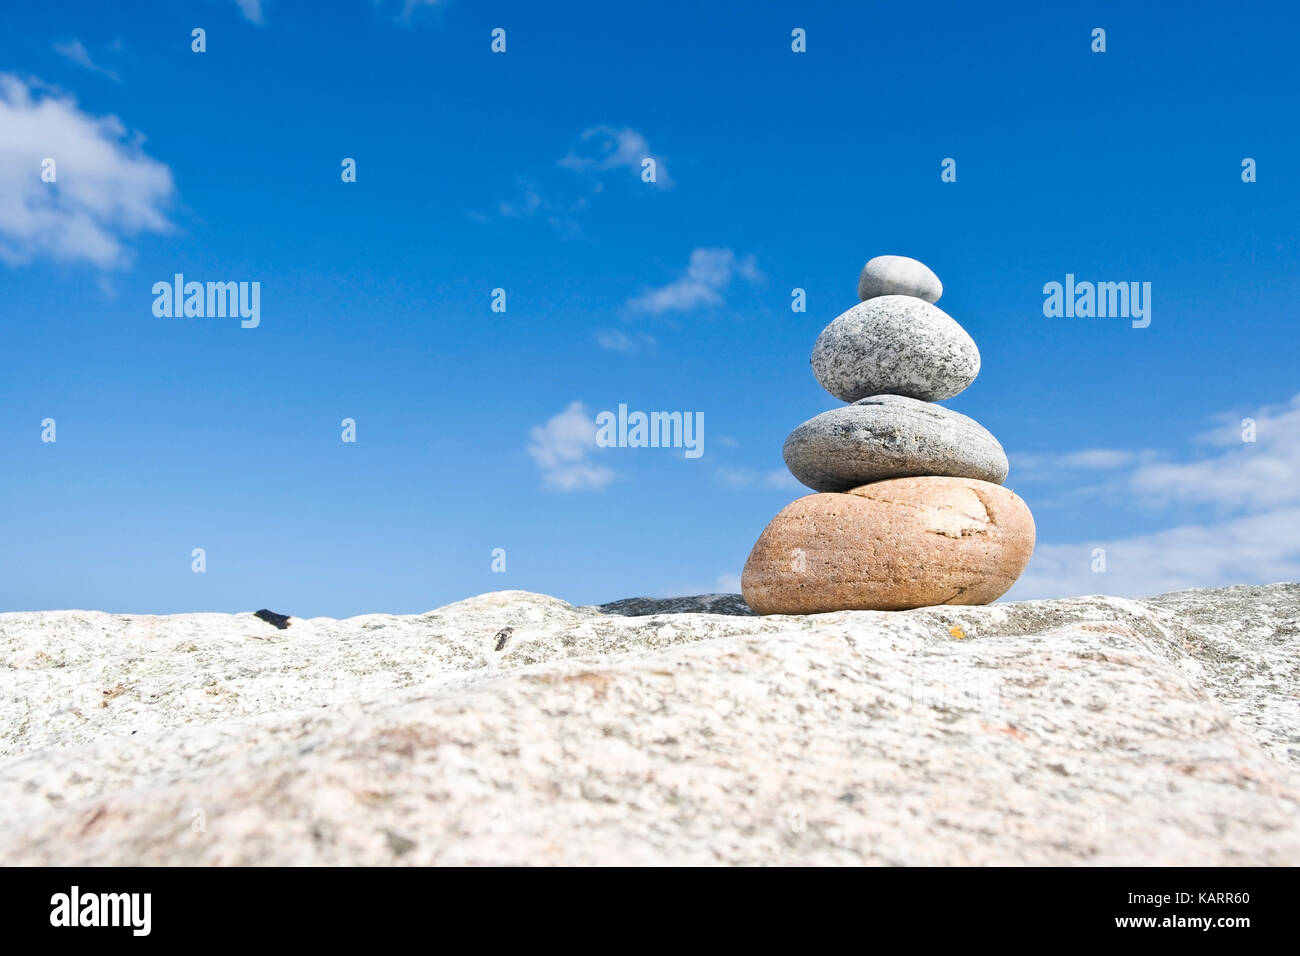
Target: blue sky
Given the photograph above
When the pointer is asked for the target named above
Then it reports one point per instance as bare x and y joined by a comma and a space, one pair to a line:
522, 171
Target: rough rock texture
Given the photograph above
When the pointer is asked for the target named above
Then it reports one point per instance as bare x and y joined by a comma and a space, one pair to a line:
895, 345
1085, 731
890, 545
890, 436
898, 275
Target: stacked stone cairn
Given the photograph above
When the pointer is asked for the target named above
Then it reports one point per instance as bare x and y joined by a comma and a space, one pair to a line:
910, 510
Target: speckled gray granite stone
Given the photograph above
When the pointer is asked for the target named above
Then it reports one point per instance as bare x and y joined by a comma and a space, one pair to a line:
898, 275
1084, 731
890, 436
895, 345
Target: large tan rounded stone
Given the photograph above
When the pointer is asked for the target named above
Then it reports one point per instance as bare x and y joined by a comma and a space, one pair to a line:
891, 545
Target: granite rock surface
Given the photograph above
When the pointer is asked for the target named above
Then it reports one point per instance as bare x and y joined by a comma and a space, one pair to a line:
1083, 731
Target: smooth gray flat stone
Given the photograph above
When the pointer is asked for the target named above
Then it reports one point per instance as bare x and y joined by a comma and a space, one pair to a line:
895, 345
898, 275
890, 436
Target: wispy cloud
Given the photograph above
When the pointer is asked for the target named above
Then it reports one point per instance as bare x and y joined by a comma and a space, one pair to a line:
560, 199
1030, 467
777, 479
562, 448
75, 51
106, 188
252, 10
1244, 475
403, 12
1257, 549
1252, 488
727, 584
406, 12
528, 202
707, 276
603, 148
618, 341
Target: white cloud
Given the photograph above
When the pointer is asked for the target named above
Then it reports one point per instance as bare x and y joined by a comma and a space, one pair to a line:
532, 202
778, 479
251, 9
1055, 467
561, 448
606, 147
722, 584
1254, 537
727, 584
404, 11
618, 341
709, 273
1257, 549
614, 339
529, 203
106, 187
1250, 475
75, 51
